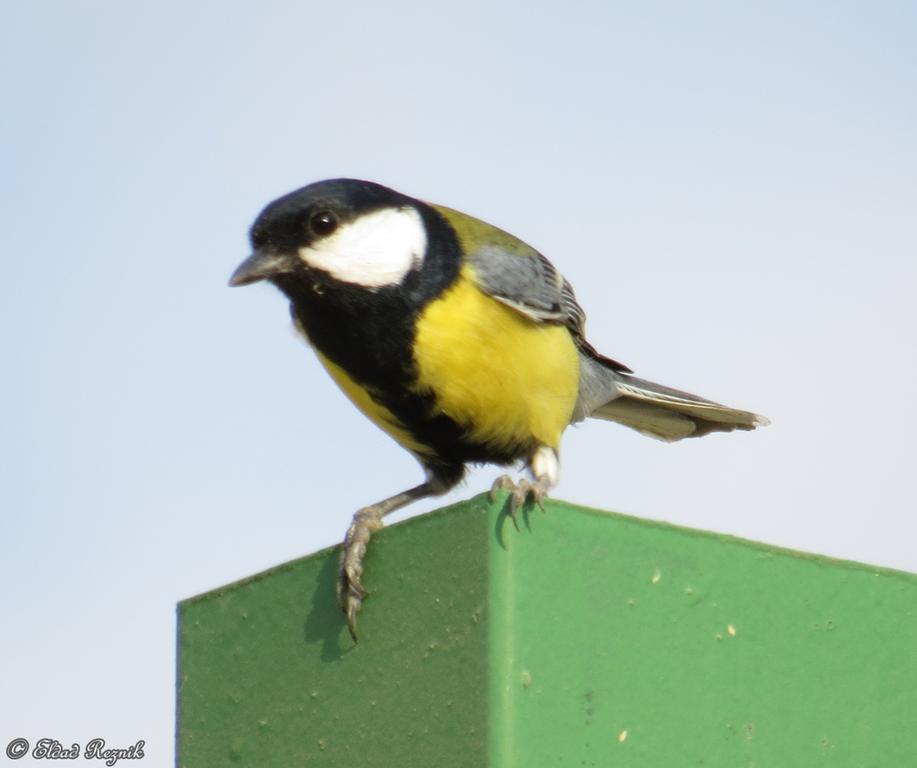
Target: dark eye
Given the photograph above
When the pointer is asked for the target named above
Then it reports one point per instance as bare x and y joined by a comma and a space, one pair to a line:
323, 223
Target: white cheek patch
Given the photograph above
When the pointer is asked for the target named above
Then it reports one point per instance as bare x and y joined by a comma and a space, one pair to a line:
374, 250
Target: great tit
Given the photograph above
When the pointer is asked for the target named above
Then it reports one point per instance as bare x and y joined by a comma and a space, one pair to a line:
460, 341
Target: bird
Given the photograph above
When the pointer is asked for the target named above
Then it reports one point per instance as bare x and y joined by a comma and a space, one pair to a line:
456, 338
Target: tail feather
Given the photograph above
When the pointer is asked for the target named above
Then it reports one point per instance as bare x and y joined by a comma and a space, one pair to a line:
670, 414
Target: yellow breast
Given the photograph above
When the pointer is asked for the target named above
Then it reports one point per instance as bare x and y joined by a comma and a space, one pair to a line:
505, 378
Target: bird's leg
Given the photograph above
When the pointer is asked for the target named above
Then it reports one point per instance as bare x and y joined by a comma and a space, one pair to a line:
545, 468
350, 590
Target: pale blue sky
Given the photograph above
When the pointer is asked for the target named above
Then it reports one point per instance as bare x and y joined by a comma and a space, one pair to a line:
732, 191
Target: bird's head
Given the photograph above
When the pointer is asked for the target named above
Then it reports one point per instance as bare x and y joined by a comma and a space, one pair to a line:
344, 230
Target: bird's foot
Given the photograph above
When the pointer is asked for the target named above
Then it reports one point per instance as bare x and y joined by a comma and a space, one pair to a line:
350, 590
519, 494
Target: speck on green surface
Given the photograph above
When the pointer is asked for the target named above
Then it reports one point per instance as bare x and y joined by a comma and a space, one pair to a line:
585, 639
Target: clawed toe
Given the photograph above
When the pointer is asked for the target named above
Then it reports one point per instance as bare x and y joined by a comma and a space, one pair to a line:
350, 592
502, 483
519, 494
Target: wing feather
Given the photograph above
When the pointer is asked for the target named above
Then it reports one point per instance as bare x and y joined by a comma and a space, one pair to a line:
522, 278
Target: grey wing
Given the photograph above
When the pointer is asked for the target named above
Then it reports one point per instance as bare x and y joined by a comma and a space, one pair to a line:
525, 280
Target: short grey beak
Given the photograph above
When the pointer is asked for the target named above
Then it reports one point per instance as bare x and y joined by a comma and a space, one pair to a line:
262, 264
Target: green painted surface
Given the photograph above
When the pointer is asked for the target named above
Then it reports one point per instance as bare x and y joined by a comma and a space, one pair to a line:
268, 675
585, 639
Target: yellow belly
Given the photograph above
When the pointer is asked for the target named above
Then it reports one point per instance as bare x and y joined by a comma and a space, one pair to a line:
505, 378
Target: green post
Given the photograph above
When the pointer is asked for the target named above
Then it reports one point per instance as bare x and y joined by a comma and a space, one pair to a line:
585, 639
